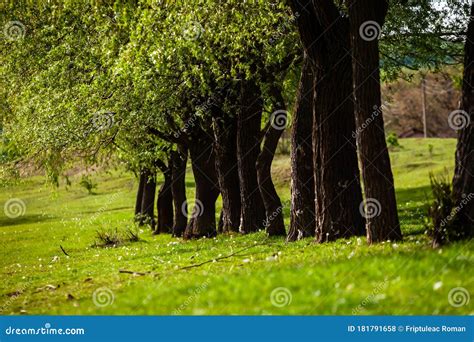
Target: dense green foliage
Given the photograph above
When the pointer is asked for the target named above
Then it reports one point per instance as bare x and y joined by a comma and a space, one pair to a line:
82, 79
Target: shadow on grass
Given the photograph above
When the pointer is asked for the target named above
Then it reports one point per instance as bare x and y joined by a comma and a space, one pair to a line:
27, 219
412, 209
130, 208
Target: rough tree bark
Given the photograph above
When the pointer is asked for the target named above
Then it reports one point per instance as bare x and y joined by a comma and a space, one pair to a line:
274, 224
138, 202
463, 181
225, 139
302, 218
164, 204
148, 200
325, 36
178, 189
203, 215
248, 148
366, 19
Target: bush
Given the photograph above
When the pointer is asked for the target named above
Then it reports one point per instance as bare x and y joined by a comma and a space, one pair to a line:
87, 183
392, 141
115, 237
443, 212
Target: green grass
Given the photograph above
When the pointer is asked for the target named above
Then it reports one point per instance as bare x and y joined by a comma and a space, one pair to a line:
344, 277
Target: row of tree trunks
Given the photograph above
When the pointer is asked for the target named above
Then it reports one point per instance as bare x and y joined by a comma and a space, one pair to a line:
225, 139
325, 36
173, 190
248, 149
463, 181
382, 218
302, 218
274, 224
178, 189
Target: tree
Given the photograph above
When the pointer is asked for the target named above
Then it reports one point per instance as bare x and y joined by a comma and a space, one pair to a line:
366, 20
336, 173
463, 181
139, 197
147, 214
225, 135
164, 204
274, 224
302, 218
178, 189
249, 118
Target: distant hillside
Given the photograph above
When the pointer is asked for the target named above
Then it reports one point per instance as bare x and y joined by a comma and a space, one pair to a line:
405, 104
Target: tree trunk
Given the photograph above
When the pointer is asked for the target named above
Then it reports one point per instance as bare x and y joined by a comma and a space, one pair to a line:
336, 172
203, 215
274, 224
165, 199
302, 217
178, 189
148, 200
463, 181
248, 148
138, 202
380, 203
225, 135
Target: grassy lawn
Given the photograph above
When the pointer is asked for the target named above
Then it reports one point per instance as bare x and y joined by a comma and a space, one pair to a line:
264, 276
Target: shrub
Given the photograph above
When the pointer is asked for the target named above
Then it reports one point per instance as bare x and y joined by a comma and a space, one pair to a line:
87, 183
116, 237
392, 141
443, 212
